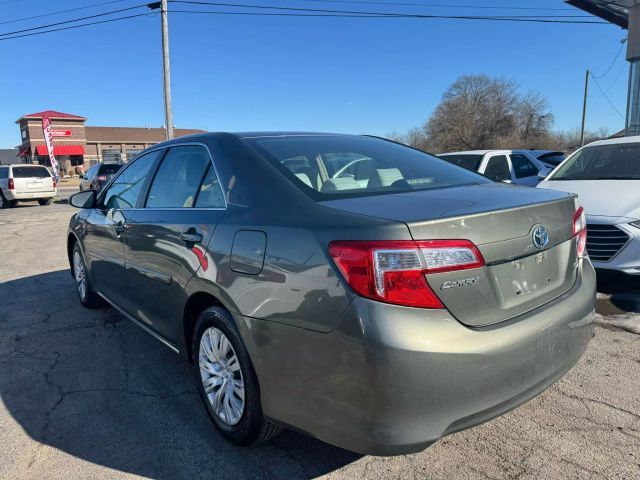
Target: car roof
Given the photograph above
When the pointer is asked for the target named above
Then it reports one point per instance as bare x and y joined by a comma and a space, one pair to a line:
614, 141
476, 152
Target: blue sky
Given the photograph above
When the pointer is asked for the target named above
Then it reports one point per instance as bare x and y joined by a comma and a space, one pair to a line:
235, 73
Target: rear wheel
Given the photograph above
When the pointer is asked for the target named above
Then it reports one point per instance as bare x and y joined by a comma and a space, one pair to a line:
87, 296
227, 382
4, 203
45, 201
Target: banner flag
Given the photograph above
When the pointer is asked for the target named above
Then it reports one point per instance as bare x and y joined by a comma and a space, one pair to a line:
48, 139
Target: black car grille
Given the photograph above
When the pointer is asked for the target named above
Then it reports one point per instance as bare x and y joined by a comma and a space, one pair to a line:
605, 241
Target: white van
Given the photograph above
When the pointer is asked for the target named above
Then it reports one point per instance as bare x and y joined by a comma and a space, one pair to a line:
26, 183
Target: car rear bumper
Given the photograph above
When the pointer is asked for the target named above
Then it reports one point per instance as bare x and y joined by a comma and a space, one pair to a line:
392, 380
28, 195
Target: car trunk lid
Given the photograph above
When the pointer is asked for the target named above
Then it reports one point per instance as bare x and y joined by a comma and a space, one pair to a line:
518, 276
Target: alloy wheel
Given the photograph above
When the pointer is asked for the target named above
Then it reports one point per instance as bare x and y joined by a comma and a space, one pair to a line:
79, 274
221, 376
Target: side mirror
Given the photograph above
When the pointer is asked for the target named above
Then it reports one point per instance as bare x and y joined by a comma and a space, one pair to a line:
542, 174
86, 199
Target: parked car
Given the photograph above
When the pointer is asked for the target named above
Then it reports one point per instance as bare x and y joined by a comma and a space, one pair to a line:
509, 166
23, 182
377, 316
606, 177
99, 175
549, 158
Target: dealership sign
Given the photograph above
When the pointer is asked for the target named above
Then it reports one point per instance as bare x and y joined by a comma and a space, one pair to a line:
60, 133
48, 139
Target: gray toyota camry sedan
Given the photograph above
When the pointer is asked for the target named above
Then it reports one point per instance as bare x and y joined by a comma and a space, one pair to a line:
368, 294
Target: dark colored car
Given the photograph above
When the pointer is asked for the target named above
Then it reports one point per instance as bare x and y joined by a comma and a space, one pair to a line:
369, 294
99, 175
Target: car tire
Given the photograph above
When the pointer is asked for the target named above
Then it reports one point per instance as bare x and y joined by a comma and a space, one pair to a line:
4, 203
86, 294
45, 201
243, 426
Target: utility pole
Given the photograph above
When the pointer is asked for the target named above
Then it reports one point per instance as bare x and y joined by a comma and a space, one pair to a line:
166, 70
584, 107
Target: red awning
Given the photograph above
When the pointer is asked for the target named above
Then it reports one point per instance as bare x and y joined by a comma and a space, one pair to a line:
61, 150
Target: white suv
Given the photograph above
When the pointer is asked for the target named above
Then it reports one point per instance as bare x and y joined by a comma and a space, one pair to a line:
606, 177
25, 183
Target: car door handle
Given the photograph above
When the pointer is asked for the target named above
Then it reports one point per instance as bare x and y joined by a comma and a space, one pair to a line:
191, 237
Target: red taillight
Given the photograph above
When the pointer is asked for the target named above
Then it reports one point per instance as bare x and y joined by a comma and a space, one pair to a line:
12, 185
580, 231
101, 178
53, 180
394, 271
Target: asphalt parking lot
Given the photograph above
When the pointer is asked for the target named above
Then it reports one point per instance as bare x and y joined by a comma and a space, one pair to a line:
86, 394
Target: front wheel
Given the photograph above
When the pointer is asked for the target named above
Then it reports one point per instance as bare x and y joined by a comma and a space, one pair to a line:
87, 296
227, 382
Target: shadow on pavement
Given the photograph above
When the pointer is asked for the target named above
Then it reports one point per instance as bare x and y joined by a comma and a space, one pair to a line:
95, 386
624, 291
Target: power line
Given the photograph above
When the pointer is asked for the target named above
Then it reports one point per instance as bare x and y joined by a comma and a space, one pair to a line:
59, 12
72, 21
492, 7
357, 12
607, 98
613, 62
78, 26
396, 16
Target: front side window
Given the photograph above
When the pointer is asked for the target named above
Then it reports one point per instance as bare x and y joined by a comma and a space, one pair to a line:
602, 162
498, 168
522, 167
125, 190
178, 178
357, 166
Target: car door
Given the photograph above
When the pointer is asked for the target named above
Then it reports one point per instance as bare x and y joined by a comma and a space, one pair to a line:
168, 237
498, 168
106, 228
524, 171
85, 183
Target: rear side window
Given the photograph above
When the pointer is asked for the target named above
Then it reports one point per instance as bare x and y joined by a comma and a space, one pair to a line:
553, 158
4, 172
339, 165
522, 167
178, 178
28, 172
210, 194
125, 190
470, 162
498, 168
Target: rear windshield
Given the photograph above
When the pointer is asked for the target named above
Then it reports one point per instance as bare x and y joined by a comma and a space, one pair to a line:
470, 162
109, 169
553, 158
603, 162
328, 166
27, 172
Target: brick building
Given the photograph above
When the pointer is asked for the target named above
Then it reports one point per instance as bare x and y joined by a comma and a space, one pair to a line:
76, 144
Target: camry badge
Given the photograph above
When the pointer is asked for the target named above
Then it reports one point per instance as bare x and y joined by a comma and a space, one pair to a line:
540, 237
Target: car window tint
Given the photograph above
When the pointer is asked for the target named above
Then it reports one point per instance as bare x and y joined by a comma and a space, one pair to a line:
470, 162
553, 158
178, 178
4, 172
210, 194
602, 162
127, 187
522, 167
28, 172
498, 168
110, 168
